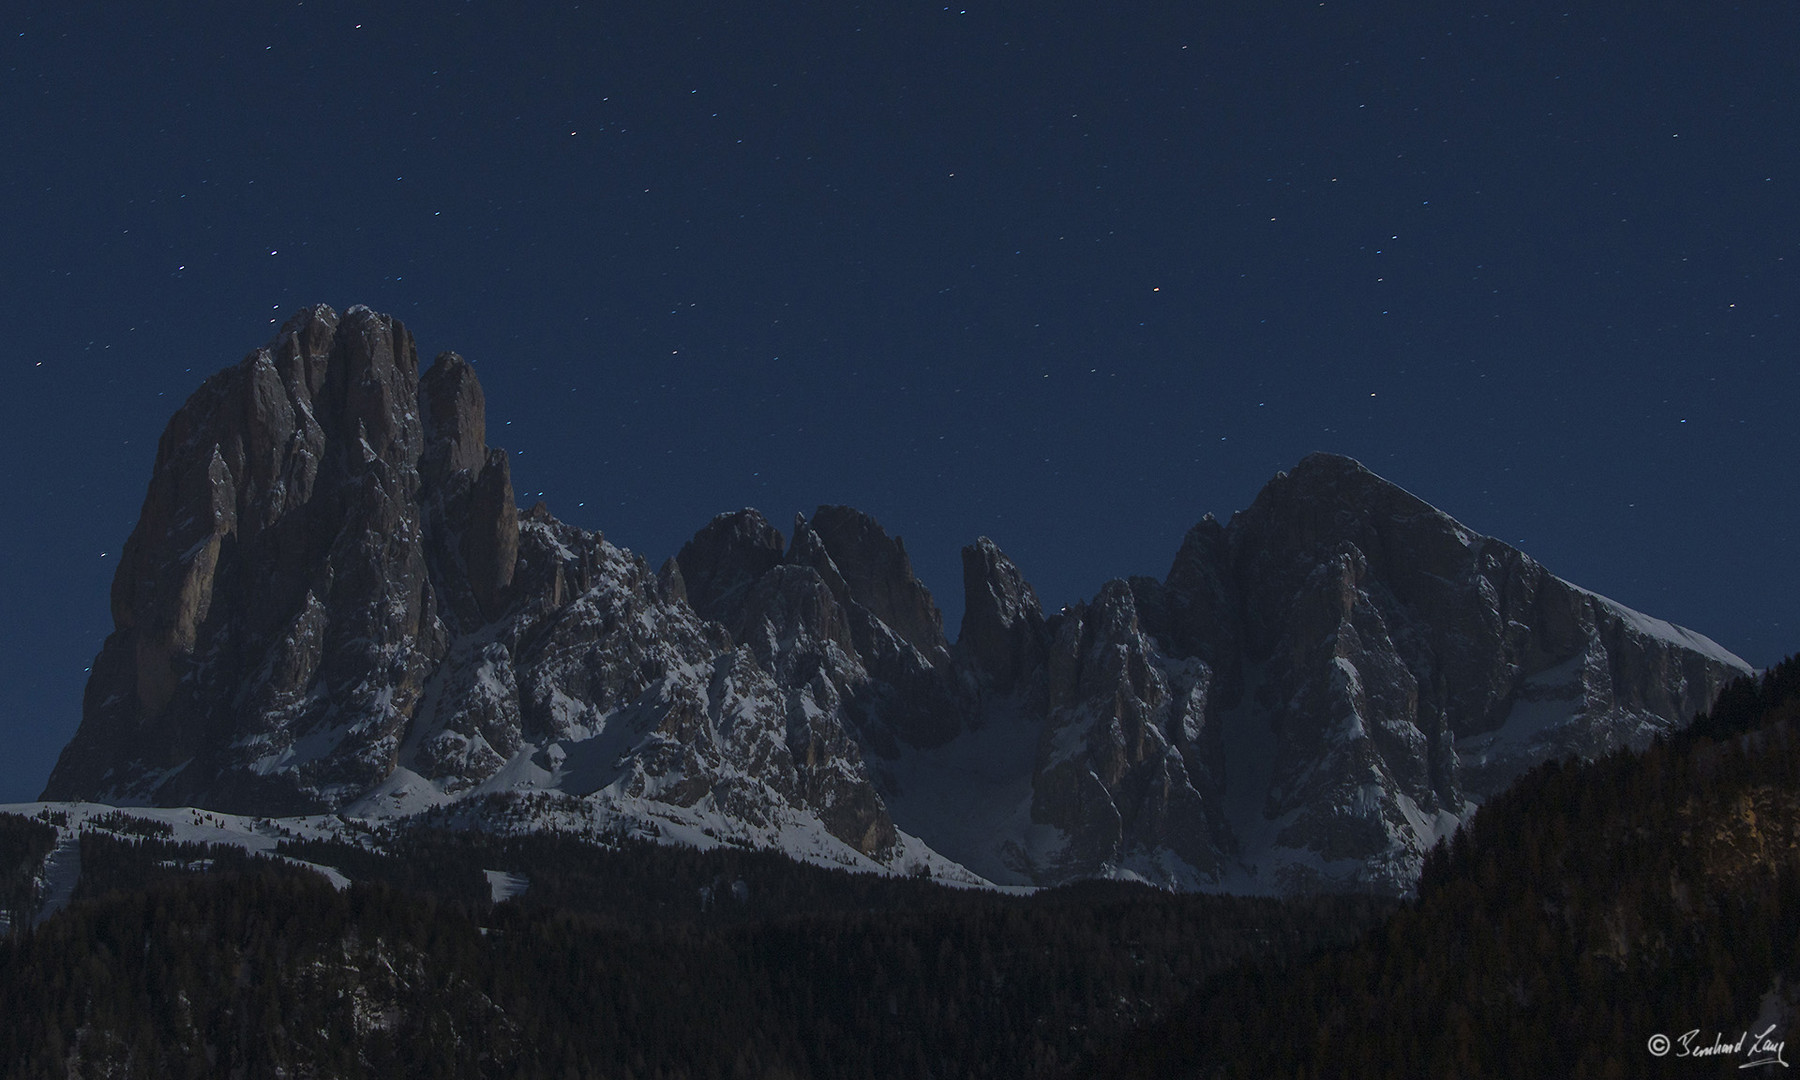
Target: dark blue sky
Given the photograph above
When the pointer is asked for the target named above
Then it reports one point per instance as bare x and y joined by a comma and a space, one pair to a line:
1066, 276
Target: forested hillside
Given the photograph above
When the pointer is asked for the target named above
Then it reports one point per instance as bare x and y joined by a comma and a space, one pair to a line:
1586, 910
631, 961
23, 845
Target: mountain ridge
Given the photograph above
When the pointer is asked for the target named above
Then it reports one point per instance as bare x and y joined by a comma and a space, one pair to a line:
331, 602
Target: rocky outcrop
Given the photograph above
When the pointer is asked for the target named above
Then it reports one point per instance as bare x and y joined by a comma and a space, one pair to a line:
275, 588
1361, 671
467, 487
877, 575
1123, 766
1003, 642
331, 602
724, 559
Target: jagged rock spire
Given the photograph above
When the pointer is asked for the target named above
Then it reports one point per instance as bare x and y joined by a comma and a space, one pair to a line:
277, 582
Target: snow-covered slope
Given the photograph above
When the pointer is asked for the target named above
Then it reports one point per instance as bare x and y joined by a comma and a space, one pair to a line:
61, 870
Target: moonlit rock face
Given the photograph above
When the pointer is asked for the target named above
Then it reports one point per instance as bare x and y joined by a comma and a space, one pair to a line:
331, 602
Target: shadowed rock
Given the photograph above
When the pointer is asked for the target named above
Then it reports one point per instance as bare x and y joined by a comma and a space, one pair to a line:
1003, 638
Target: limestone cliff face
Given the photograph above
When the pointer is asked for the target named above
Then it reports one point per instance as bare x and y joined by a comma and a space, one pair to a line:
275, 585
1124, 763
467, 487
1323, 687
332, 602
1004, 641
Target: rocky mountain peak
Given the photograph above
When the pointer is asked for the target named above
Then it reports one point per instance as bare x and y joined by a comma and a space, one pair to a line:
282, 533
331, 601
454, 413
724, 559
1003, 638
1198, 608
879, 576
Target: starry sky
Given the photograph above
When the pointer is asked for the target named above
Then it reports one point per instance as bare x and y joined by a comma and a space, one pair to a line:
1069, 276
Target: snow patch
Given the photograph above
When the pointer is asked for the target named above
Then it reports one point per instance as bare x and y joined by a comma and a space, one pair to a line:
504, 886
1656, 629
1546, 702
187, 825
972, 796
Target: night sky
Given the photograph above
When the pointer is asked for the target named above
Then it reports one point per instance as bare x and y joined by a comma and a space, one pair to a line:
1066, 276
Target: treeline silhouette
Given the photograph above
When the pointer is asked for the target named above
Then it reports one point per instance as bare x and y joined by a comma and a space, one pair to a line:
1588, 908
23, 845
635, 960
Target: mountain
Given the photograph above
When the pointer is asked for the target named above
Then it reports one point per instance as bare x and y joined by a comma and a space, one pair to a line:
331, 602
